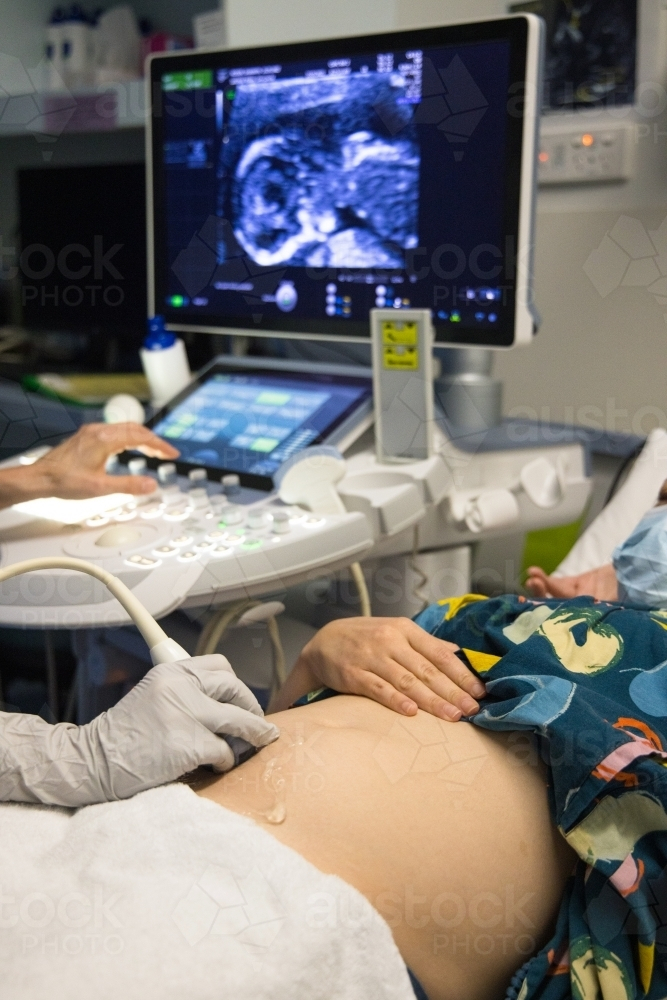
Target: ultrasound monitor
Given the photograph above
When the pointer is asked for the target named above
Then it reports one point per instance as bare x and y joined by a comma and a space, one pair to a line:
294, 188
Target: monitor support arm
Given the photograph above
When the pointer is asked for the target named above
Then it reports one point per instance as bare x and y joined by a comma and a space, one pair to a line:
465, 391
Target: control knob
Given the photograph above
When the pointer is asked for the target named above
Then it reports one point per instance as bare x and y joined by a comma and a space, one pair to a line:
281, 524
232, 514
166, 473
256, 519
231, 484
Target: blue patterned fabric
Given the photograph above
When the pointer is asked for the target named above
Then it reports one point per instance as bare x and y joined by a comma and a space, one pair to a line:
589, 680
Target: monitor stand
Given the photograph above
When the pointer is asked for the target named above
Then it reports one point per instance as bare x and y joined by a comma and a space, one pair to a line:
469, 398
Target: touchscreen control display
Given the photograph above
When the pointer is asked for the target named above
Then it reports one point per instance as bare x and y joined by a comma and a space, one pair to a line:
252, 422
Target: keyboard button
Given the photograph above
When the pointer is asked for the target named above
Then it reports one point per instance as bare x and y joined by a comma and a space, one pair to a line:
215, 536
97, 521
252, 543
127, 513
231, 515
218, 551
144, 561
281, 522
151, 510
257, 519
189, 555
178, 512
181, 540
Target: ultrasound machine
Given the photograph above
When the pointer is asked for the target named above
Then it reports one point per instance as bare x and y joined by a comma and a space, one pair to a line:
291, 191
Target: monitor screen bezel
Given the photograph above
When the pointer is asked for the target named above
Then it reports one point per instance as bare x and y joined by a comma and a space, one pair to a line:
519, 196
355, 413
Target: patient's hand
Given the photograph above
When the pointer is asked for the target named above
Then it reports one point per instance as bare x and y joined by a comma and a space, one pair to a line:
600, 583
391, 660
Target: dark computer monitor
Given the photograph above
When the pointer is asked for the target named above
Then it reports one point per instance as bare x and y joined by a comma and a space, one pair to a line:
294, 188
83, 250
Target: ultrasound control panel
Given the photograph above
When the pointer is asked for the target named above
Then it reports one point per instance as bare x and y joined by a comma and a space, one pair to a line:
191, 543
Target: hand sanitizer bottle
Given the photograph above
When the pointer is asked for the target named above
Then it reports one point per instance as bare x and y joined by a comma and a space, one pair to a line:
165, 362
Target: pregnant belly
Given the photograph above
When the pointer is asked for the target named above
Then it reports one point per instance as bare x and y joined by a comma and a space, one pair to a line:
443, 827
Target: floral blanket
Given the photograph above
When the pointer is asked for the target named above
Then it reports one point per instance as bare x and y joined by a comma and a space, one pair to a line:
589, 679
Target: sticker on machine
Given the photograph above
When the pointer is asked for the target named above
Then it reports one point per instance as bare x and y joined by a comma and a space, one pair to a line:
399, 346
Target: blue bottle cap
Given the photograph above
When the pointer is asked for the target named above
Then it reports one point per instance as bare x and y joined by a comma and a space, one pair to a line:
157, 338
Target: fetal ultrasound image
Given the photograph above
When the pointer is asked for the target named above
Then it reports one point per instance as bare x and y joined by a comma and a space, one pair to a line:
320, 172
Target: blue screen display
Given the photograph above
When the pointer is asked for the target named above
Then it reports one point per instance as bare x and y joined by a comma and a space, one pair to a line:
305, 192
252, 422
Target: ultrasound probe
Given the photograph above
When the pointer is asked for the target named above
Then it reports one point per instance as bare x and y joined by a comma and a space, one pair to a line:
162, 648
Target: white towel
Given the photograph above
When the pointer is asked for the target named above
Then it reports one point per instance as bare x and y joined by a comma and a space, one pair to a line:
170, 895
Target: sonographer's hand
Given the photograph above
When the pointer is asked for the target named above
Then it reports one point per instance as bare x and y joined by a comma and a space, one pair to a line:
75, 469
391, 660
166, 726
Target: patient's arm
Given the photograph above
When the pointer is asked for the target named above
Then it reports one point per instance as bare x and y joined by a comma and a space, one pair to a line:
600, 583
445, 830
391, 660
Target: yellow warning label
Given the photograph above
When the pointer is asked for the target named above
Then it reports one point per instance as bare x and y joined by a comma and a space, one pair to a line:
400, 358
399, 333
399, 346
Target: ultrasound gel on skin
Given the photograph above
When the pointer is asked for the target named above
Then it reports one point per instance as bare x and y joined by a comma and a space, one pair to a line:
165, 362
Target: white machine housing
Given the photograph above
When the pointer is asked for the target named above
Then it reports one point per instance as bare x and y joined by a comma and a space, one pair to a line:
171, 550
194, 548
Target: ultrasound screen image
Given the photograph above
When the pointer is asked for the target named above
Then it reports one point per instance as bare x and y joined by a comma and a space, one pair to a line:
295, 194
324, 185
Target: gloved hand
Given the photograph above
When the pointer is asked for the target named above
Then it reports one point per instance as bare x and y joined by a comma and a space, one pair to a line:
163, 728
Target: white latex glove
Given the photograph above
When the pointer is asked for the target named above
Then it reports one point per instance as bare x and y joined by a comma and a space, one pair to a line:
163, 728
